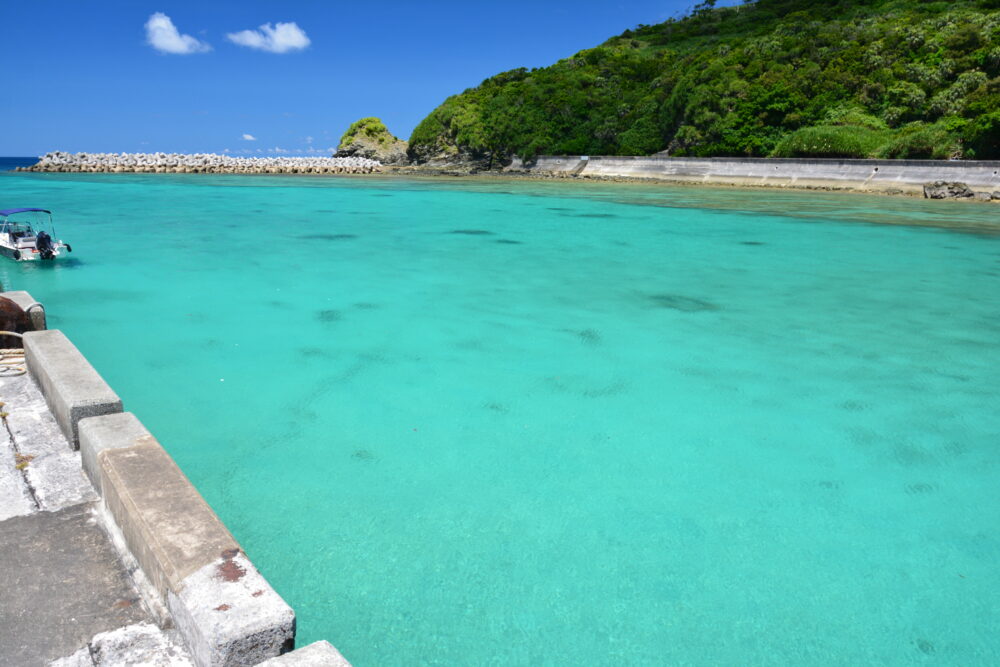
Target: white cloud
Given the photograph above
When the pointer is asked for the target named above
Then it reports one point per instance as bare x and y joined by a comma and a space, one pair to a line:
277, 149
308, 140
162, 35
279, 38
249, 137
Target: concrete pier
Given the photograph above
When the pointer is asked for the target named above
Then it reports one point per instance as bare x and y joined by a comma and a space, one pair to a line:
111, 556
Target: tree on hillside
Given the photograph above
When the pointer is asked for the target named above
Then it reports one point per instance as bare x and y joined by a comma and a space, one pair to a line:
852, 78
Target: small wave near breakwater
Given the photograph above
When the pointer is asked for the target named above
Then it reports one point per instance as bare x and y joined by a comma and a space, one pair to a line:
199, 163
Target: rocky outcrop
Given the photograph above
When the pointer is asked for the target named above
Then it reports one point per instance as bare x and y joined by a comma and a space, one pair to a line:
955, 190
443, 155
199, 163
370, 138
947, 190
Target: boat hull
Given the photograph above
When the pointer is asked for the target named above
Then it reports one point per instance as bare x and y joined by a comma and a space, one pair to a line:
25, 255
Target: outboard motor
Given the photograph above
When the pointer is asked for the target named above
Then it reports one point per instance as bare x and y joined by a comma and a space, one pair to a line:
43, 244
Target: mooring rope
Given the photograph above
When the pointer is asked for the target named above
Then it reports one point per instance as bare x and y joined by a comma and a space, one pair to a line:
12, 359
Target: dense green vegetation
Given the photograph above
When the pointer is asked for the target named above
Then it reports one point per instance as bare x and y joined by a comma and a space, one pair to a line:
830, 78
370, 138
370, 129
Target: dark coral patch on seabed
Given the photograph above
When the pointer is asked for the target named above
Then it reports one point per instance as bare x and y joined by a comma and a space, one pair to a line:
472, 232
682, 303
327, 237
329, 315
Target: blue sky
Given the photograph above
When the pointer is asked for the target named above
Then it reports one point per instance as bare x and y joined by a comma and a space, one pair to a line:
83, 75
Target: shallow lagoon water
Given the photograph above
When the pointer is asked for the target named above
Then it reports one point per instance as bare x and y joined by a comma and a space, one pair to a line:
482, 422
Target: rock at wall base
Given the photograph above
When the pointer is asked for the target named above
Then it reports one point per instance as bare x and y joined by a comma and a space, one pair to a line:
947, 190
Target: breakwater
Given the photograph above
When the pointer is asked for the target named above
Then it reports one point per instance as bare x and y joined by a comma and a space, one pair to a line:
830, 174
198, 163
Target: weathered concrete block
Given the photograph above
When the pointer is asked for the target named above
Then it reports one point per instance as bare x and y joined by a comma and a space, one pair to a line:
318, 654
26, 301
229, 615
114, 431
170, 529
71, 386
226, 611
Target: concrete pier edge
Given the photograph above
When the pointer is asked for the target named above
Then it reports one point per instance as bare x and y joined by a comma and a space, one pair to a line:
185, 560
226, 611
71, 386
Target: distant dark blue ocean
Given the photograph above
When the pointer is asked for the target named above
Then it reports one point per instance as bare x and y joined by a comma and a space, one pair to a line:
10, 163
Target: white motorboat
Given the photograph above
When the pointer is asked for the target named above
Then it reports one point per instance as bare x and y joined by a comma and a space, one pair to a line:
24, 241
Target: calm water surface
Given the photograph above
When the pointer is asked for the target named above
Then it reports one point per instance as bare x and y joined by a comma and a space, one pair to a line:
467, 423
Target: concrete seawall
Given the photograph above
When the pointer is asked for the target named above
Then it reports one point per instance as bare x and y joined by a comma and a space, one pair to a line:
865, 175
192, 573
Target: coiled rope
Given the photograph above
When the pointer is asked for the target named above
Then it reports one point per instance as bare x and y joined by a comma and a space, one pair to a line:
12, 359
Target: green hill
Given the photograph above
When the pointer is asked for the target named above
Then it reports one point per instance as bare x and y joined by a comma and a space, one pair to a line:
370, 138
847, 78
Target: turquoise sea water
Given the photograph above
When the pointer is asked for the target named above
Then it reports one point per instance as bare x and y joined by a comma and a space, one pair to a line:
470, 423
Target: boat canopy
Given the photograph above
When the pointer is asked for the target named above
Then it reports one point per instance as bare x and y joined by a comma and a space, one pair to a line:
12, 211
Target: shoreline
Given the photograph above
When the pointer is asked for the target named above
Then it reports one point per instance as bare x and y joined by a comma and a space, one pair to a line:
934, 179
909, 191
826, 186
727, 183
980, 180
941, 215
